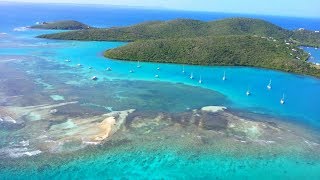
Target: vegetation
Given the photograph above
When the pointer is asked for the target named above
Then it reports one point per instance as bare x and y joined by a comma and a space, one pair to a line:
186, 28
178, 28
223, 50
234, 41
61, 25
306, 38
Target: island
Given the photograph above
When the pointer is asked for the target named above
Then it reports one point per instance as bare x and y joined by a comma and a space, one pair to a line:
61, 25
232, 42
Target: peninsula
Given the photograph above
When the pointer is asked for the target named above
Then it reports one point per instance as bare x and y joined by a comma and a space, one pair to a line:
232, 42
61, 25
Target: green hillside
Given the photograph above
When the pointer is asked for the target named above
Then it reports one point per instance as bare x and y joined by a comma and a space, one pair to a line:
61, 25
186, 28
223, 50
307, 38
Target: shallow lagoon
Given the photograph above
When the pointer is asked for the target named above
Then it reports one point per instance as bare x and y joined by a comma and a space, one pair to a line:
300, 91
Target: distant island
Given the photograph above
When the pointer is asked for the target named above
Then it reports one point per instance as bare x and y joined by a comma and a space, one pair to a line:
61, 25
232, 42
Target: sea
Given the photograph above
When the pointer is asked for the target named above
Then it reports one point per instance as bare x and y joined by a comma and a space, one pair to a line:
49, 106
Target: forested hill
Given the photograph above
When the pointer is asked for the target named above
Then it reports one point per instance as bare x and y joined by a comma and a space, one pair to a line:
181, 28
178, 28
222, 50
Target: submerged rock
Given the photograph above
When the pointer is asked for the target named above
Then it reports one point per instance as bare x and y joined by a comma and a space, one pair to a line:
8, 121
77, 133
106, 128
213, 121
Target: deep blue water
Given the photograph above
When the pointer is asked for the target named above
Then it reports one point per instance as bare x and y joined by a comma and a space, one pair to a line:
314, 54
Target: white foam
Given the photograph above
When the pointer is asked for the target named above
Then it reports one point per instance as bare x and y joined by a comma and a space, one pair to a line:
18, 152
90, 143
20, 29
8, 119
24, 143
32, 153
213, 108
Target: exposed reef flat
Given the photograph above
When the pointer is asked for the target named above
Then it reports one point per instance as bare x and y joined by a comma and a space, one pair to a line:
53, 133
181, 140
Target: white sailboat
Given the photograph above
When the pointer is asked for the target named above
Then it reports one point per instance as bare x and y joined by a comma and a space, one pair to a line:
158, 68
131, 71
224, 76
156, 76
248, 93
109, 69
269, 85
183, 71
282, 101
191, 75
200, 80
94, 78
138, 66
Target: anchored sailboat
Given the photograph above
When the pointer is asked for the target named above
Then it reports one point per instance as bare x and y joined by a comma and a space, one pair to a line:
282, 101
269, 85
94, 78
224, 76
248, 93
191, 75
183, 71
138, 66
200, 80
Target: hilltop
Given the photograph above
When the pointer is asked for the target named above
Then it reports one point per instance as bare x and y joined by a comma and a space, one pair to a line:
61, 25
